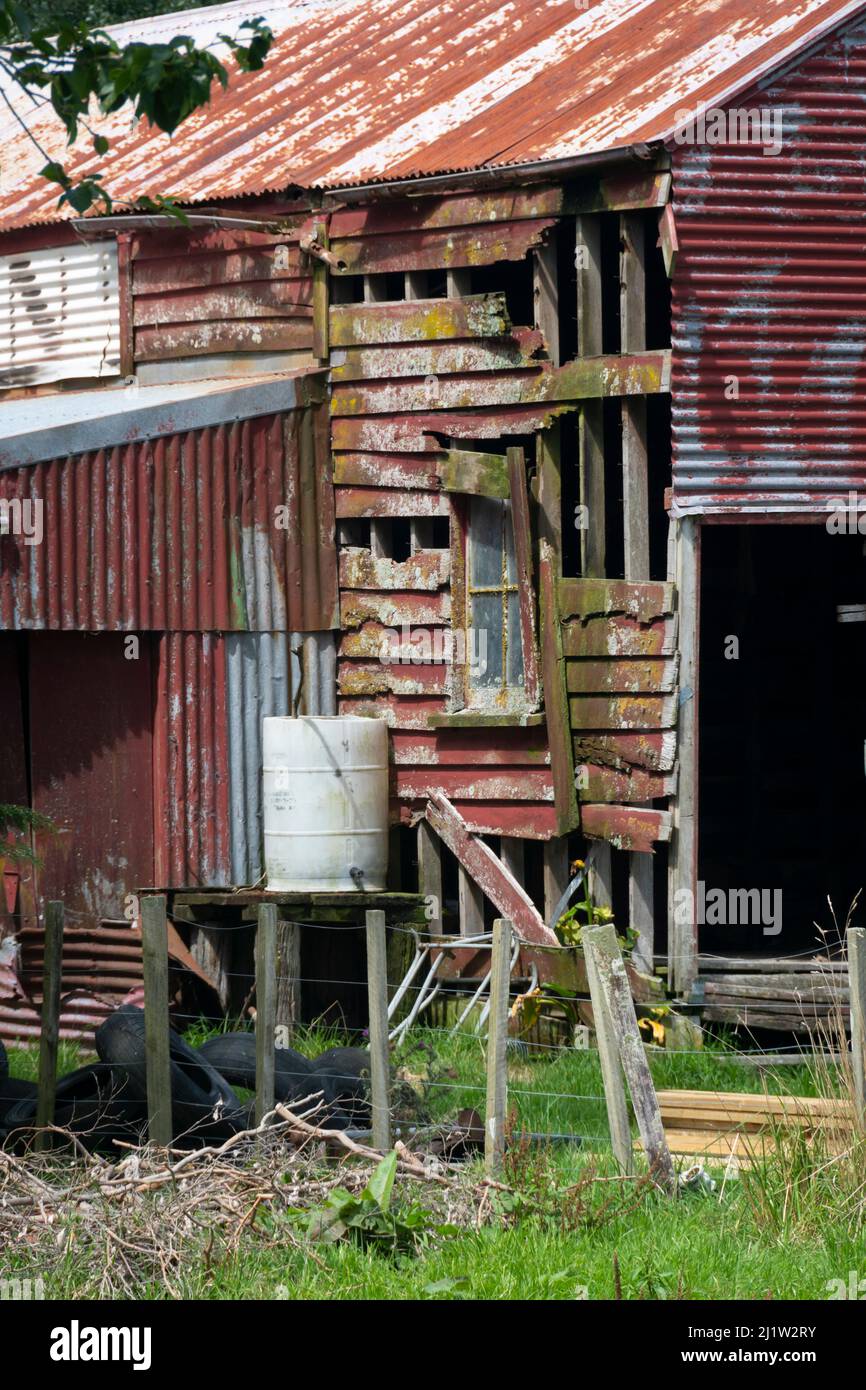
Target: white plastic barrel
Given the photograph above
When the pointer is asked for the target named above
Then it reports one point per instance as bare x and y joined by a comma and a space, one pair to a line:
325, 804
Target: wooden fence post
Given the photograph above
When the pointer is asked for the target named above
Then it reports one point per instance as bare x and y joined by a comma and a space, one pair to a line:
857, 981
266, 1007
288, 973
49, 1033
377, 993
608, 1052
154, 951
614, 985
497, 1045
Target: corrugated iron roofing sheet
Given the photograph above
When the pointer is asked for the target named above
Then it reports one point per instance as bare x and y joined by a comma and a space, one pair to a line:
364, 90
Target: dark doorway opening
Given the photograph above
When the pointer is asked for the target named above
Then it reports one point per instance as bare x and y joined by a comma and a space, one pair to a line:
782, 719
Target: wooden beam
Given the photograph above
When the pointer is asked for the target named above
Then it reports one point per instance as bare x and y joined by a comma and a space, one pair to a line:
430, 874
512, 853
488, 872
602, 941
154, 953
668, 241
470, 904
545, 295
591, 426
556, 875
522, 525
266, 1008
608, 1053
556, 696
377, 994
683, 859
496, 1108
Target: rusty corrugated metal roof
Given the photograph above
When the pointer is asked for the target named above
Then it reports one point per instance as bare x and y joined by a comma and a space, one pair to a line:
357, 91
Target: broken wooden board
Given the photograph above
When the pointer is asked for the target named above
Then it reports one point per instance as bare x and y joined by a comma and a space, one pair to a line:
631, 676
407, 471
488, 871
454, 247
625, 786
431, 360
425, 569
419, 320
585, 378
482, 475
622, 712
626, 827
619, 749
352, 502
617, 636
642, 602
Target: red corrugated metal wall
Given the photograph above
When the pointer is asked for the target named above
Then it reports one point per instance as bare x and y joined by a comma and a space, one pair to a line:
178, 533
769, 299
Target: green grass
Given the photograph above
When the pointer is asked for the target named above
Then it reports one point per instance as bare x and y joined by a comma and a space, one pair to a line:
783, 1232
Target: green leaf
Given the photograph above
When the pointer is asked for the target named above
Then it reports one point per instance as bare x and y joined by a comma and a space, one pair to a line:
441, 1286
55, 173
380, 1186
100, 144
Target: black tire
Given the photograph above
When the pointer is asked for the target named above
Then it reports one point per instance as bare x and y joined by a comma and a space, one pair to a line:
90, 1103
204, 1106
234, 1056
345, 1074
13, 1090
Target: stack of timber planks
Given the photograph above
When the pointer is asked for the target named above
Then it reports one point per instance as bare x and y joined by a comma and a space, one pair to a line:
721, 1124
789, 994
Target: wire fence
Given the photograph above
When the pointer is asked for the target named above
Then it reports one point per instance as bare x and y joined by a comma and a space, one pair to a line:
441, 1073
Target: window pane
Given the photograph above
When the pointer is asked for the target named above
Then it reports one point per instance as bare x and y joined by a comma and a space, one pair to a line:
514, 662
484, 642
485, 542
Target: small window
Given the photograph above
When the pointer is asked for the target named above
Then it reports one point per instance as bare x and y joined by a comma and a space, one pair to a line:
494, 646
59, 314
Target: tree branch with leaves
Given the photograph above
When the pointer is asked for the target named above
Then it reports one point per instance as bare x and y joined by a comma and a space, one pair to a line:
83, 72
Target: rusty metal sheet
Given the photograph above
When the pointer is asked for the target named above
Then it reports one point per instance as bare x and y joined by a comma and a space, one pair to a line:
191, 761
768, 294
357, 92
91, 756
180, 532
